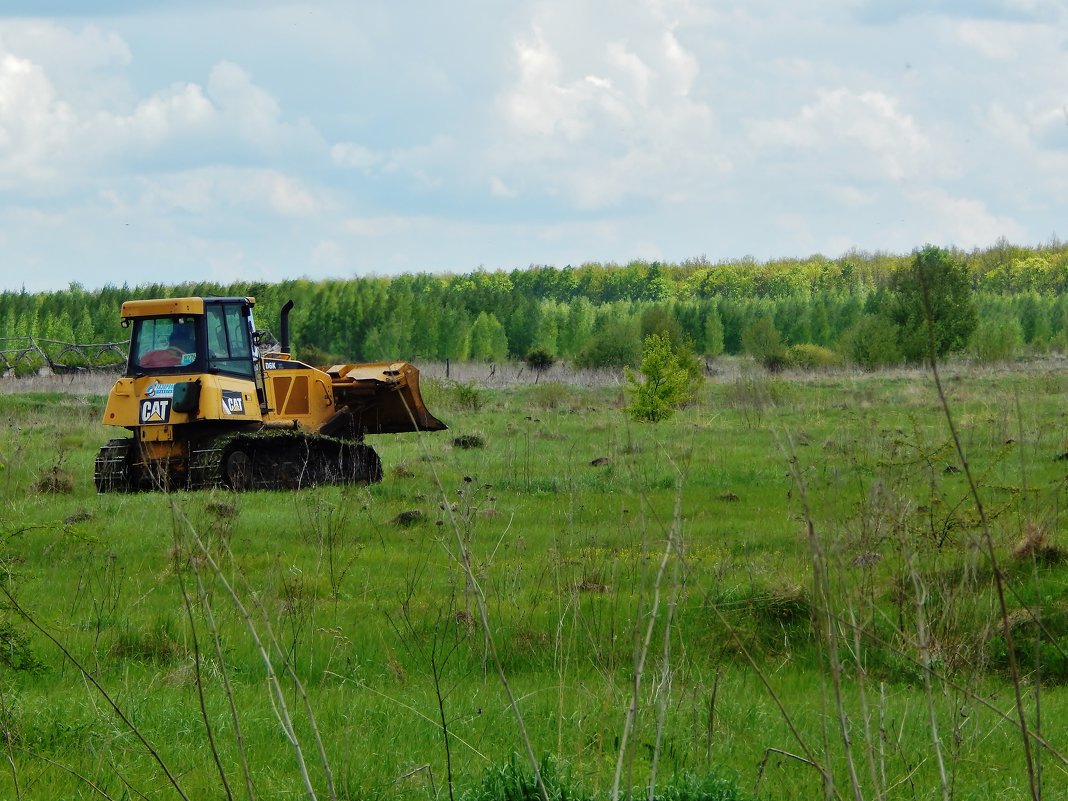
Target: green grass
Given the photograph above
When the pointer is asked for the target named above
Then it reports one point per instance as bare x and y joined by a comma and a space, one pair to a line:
566, 509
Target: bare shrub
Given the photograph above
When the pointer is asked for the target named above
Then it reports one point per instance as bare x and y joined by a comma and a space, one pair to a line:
55, 481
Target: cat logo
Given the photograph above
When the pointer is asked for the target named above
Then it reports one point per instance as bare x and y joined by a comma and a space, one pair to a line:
233, 402
155, 410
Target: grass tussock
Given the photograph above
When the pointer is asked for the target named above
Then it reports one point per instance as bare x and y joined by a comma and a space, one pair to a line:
1035, 545
56, 480
468, 442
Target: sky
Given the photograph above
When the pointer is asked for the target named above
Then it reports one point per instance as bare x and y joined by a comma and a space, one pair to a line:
144, 141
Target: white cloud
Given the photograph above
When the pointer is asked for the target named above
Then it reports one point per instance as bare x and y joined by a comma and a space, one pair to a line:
541, 104
673, 127
384, 226
682, 67
354, 156
64, 52
57, 128
180, 110
595, 138
499, 188
990, 39
212, 190
286, 197
862, 134
632, 67
243, 107
961, 221
327, 253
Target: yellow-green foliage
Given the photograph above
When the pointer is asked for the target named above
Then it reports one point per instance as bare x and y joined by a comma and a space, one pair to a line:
667, 380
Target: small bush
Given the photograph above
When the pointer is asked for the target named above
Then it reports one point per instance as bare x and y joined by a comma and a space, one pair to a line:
55, 481
453, 395
15, 652
158, 644
401, 471
1035, 546
514, 781
469, 397
710, 787
468, 441
223, 509
409, 518
618, 344
812, 357
998, 338
539, 360
761, 340
317, 357
786, 606
756, 392
1037, 636
873, 343
550, 396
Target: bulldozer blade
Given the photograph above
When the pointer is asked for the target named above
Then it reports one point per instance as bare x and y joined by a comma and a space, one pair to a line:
382, 398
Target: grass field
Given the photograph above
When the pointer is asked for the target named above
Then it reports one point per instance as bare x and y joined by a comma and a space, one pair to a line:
789, 591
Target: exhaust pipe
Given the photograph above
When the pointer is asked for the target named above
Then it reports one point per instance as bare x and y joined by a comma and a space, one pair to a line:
284, 326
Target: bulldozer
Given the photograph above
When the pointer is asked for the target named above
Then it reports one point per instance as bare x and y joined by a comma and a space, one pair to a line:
213, 402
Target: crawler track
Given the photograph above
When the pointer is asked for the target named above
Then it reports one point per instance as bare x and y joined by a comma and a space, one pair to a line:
262, 460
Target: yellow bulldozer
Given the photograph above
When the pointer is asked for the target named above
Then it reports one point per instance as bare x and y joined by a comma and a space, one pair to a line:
212, 401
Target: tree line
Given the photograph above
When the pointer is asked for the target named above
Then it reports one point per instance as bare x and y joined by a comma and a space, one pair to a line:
803, 311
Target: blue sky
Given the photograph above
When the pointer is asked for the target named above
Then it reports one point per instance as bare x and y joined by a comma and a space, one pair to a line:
162, 141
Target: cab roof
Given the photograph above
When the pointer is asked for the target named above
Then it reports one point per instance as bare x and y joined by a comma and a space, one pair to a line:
162, 307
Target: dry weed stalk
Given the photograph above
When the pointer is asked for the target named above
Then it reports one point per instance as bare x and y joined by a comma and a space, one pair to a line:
8, 741
235, 719
198, 678
88, 677
925, 660
988, 545
463, 556
276, 694
809, 755
821, 581
671, 546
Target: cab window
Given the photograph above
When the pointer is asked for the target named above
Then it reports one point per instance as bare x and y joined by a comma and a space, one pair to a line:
164, 343
229, 344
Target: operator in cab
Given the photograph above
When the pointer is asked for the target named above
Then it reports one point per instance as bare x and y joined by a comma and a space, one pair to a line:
180, 345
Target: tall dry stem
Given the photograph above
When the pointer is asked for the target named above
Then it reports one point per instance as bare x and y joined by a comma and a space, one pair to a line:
920, 598
823, 594
91, 679
988, 546
5, 722
464, 557
235, 718
276, 694
663, 690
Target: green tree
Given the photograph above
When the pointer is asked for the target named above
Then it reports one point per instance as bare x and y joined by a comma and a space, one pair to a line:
997, 338
617, 343
577, 327
761, 340
933, 305
662, 384
873, 342
489, 343
713, 334
820, 321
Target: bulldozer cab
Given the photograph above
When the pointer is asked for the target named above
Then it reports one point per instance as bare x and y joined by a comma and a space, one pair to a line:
191, 335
